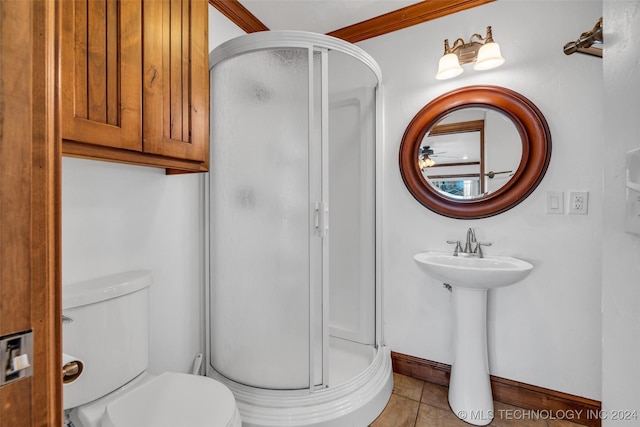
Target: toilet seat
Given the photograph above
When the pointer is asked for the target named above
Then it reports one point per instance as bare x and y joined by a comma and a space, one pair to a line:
174, 399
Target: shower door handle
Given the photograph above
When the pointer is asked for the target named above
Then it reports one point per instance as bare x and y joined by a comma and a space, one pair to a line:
321, 219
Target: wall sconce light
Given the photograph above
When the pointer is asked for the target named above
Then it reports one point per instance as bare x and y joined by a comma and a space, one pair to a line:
483, 51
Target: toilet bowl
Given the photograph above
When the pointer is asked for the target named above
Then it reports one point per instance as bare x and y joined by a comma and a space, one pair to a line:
106, 328
173, 399
168, 400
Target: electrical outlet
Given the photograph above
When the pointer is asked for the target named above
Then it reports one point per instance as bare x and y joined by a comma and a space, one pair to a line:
578, 202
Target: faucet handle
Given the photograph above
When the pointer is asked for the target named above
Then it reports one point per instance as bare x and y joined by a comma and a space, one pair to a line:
458, 246
478, 249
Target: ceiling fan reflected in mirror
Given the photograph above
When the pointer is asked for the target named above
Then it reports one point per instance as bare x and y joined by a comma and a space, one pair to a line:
426, 156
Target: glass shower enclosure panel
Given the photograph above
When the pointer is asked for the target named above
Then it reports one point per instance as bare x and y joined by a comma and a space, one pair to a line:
262, 220
352, 172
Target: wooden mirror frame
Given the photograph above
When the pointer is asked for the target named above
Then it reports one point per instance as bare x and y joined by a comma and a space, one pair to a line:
536, 151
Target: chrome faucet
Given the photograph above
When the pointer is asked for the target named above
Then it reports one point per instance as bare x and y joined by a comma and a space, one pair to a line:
471, 239
472, 247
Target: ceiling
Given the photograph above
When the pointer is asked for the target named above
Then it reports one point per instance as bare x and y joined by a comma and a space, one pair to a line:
320, 16
350, 20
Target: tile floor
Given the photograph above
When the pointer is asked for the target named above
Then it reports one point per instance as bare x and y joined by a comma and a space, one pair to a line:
416, 403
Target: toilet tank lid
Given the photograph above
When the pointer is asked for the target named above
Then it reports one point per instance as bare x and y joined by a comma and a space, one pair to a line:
104, 288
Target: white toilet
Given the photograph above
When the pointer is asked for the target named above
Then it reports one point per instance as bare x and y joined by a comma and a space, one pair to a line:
106, 328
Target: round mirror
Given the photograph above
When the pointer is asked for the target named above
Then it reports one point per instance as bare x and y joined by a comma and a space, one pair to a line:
475, 152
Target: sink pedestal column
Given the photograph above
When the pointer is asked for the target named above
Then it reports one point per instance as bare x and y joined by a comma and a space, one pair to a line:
470, 395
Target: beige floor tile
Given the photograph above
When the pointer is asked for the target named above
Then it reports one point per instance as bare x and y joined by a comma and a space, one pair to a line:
400, 412
407, 387
435, 395
430, 416
416, 403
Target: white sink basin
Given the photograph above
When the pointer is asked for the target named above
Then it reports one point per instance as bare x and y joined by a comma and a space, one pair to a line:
472, 272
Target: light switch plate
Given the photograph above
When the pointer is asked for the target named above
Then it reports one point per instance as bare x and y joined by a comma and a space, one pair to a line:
555, 202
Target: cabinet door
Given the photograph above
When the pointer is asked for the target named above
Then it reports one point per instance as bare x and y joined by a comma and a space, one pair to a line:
29, 210
176, 79
101, 69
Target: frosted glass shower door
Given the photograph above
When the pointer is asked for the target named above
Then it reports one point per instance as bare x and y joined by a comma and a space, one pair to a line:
261, 219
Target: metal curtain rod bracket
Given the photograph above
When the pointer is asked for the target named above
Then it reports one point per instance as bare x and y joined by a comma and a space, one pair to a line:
589, 42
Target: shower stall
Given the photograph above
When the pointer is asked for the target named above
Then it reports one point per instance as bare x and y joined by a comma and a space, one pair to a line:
294, 299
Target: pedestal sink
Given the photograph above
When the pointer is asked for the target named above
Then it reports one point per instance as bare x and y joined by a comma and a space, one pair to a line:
470, 278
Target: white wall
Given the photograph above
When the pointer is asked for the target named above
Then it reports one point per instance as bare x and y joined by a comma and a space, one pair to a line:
120, 217
221, 29
545, 330
621, 251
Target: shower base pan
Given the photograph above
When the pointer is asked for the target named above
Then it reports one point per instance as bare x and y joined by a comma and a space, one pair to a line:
355, 402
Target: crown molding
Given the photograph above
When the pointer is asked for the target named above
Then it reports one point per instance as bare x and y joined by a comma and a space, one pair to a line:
239, 15
403, 18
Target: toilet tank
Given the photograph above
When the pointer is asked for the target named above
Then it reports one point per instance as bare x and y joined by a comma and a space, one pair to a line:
106, 326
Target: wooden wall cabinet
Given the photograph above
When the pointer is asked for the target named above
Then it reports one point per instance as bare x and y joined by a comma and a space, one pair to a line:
135, 82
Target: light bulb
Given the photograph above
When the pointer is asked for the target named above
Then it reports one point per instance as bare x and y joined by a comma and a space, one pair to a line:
425, 162
489, 57
448, 67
